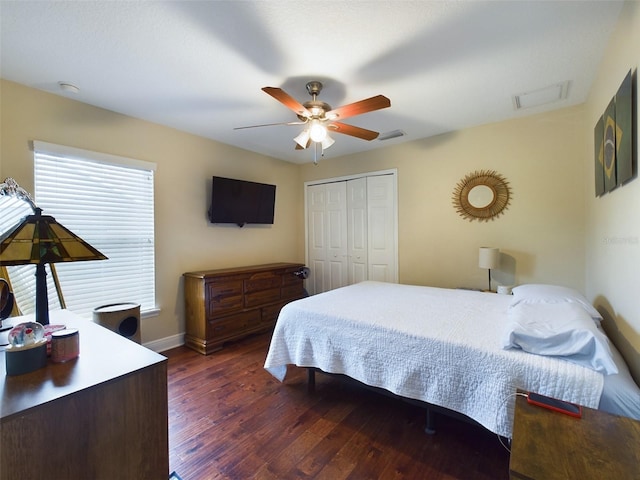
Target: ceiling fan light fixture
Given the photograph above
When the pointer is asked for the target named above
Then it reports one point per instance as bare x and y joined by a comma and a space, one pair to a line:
303, 138
317, 131
327, 142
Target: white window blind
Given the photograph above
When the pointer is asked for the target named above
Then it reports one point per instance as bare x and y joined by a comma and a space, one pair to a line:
107, 201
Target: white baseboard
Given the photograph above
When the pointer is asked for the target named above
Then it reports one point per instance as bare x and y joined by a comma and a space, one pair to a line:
166, 343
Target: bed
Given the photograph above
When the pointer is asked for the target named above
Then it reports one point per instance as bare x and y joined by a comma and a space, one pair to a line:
445, 347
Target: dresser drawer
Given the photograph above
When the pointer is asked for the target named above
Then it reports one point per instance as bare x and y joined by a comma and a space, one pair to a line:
257, 283
224, 297
260, 298
233, 325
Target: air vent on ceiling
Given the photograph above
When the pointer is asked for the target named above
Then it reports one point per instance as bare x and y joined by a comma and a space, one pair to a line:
543, 96
392, 134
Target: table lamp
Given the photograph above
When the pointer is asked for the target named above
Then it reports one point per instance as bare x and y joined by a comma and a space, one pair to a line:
489, 258
39, 239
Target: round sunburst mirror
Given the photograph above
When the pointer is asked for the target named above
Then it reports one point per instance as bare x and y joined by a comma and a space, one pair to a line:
482, 195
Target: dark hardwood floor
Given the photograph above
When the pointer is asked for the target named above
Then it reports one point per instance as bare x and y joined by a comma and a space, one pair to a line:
230, 419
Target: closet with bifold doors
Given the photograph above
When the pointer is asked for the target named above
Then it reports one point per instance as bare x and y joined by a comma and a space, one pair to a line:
351, 230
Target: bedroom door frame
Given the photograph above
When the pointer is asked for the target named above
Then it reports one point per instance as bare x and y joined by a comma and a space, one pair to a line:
393, 173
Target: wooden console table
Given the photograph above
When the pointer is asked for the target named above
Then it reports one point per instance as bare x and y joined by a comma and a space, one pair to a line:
230, 303
102, 415
548, 445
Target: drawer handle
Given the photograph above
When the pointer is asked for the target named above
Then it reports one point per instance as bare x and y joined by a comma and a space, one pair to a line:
218, 329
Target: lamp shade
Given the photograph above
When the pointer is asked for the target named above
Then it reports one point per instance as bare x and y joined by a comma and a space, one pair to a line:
489, 257
302, 139
327, 142
40, 239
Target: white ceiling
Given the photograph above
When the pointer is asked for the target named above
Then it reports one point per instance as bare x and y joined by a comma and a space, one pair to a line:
199, 66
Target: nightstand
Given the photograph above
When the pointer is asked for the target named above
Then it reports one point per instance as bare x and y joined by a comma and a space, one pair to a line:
548, 445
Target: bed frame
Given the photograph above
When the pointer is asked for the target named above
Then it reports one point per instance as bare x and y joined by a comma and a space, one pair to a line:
431, 410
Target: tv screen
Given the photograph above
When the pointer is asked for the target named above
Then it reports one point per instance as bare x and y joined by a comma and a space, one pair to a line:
241, 202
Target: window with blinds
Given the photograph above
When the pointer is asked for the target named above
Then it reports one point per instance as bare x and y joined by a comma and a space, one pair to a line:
108, 201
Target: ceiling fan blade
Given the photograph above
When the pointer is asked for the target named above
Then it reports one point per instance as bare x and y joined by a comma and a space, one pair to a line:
358, 132
358, 108
287, 100
270, 125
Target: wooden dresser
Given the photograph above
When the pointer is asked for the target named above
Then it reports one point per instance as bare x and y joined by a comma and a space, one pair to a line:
228, 304
100, 416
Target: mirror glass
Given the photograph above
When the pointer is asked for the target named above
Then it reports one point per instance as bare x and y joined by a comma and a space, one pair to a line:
12, 210
481, 196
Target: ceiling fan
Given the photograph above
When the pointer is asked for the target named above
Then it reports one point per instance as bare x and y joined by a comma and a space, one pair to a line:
321, 118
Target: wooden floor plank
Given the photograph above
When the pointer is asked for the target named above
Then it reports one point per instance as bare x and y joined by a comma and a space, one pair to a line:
229, 419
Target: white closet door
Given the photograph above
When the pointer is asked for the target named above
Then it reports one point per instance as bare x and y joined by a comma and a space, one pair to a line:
327, 234
357, 230
381, 230
351, 232
316, 200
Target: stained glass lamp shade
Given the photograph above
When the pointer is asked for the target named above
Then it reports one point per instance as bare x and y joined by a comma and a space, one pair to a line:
39, 239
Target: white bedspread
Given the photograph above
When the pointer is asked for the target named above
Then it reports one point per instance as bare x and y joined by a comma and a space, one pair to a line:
438, 345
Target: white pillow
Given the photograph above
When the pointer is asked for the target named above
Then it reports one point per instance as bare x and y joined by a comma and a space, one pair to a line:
559, 330
533, 293
620, 394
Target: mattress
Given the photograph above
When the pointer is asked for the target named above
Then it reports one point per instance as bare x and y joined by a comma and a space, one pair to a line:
440, 346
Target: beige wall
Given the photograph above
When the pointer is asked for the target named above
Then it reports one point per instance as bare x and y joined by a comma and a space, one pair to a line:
613, 221
185, 241
541, 234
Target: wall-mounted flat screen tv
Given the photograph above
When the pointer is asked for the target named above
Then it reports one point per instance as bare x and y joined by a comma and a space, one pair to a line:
241, 202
